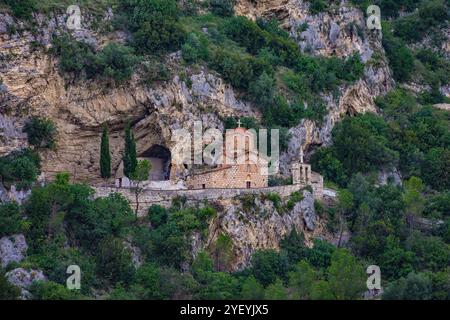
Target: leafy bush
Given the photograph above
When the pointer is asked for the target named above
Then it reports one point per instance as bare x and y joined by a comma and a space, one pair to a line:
116, 62
262, 91
401, 59
74, 56
41, 133
154, 24
222, 7
20, 168
21, 9
114, 261
415, 26
268, 265
416, 286
7, 290
48, 290
317, 6
10, 219
195, 48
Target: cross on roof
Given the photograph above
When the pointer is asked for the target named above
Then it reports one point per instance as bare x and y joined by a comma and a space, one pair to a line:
239, 123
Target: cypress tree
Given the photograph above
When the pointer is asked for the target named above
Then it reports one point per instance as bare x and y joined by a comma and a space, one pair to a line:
129, 157
105, 155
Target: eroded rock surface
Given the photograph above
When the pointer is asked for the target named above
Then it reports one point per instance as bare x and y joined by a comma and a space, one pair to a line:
12, 249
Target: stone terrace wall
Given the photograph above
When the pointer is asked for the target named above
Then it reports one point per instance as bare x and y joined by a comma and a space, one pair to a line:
164, 197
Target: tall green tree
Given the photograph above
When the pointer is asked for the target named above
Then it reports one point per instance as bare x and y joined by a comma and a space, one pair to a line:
130, 157
346, 276
105, 155
139, 175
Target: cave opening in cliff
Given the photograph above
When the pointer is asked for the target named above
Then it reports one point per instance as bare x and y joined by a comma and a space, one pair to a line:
160, 158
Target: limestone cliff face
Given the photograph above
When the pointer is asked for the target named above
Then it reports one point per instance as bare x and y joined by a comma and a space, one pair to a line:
31, 85
263, 226
340, 31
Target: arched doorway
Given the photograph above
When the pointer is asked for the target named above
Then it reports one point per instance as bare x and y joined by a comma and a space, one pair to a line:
160, 158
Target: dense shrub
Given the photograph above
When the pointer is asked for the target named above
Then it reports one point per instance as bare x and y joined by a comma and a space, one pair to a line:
41, 132
154, 24
10, 219
7, 290
114, 261
20, 168
415, 26
116, 62
74, 56
195, 48
48, 290
222, 7
21, 9
269, 265
401, 59
361, 144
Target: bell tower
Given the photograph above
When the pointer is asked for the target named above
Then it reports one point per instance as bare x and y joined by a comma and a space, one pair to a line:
301, 172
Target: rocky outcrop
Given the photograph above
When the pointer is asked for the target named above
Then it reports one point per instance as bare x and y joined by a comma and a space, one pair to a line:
32, 85
263, 226
12, 249
340, 31
23, 279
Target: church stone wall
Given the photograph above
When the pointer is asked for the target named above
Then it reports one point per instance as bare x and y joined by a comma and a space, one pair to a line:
237, 176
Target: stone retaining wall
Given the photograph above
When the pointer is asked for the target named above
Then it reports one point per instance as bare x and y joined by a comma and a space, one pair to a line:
165, 197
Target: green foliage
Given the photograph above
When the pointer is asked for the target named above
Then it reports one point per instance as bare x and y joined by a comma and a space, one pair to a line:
438, 205
302, 279
10, 219
401, 59
317, 6
396, 262
54, 258
268, 265
346, 276
41, 133
252, 289
74, 56
105, 155
262, 91
416, 286
328, 165
168, 242
430, 253
7, 290
114, 261
415, 26
195, 48
21, 9
435, 168
361, 145
153, 23
48, 290
157, 215
110, 216
276, 291
130, 156
142, 171
114, 62
222, 252
20, 168
222, 7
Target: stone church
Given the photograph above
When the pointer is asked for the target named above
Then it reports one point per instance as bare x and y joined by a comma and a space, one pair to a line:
240, 166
